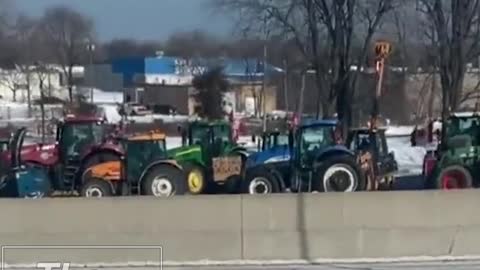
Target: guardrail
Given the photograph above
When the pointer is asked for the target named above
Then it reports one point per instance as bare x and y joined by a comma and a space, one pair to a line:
283, 227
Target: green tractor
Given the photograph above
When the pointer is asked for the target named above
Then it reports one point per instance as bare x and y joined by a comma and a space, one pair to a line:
144, 169
456, 163
210, 157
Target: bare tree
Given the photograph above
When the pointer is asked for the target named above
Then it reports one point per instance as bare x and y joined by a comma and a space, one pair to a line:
13, 80
41, 72
457, 27
331, 36
67, 33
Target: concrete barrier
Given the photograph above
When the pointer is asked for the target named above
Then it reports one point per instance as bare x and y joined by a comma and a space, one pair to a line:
236, 228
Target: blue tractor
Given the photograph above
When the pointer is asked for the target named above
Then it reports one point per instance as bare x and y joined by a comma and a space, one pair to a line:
311, 161
23, 180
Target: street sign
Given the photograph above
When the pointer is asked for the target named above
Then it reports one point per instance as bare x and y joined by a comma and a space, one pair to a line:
382, 49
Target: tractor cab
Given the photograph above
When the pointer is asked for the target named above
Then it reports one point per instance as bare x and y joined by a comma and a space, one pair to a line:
272, 139
142, 150
214, 138
75, 135
310, 139
373, 142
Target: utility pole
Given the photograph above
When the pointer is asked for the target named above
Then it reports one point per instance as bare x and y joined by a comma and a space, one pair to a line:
382, 51
264, 87
91, 48
285, 84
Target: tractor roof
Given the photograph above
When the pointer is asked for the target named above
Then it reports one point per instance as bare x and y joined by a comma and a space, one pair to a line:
71, 118
210, 123
317, 122
465, 114
153, 135
366, 129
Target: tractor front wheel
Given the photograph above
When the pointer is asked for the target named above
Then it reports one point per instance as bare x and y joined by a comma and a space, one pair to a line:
96, 188
163, 181
196, 180
260, 181
454, 177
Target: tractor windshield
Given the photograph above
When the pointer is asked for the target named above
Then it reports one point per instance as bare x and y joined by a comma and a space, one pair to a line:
315, 138
463, 126
201, 134
274, 139
76, 136
222, 132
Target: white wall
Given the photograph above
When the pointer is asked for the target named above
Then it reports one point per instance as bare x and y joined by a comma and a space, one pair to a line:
12, 79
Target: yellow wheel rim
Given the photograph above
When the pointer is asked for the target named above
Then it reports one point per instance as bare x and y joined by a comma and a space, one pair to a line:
195, 182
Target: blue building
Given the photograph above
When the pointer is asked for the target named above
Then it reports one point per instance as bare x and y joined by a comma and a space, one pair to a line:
167, 80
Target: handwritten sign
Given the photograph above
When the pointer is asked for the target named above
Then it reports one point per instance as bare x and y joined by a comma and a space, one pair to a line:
224, 167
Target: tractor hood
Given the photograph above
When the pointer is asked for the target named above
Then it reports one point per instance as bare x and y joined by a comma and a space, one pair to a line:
275, 154
183, 152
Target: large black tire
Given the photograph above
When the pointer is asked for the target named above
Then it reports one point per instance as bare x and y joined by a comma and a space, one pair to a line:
195, 178
96, 188
163, 181
454, 177
338, 174
260, 181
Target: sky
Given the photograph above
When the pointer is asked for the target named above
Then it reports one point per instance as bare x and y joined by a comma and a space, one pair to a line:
139, 19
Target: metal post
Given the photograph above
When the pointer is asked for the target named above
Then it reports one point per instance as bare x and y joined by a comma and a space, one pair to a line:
264, 87
285, 84
90, 49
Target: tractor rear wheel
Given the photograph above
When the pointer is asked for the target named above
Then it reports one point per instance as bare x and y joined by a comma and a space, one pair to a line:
338, 174
454, 177
164, 181
96, 188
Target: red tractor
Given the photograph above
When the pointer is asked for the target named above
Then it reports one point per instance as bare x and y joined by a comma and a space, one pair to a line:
80, 143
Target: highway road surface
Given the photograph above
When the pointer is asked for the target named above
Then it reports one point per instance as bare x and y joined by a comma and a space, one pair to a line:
464, 265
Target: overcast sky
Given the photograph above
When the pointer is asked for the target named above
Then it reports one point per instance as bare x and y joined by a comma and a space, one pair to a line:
139, 19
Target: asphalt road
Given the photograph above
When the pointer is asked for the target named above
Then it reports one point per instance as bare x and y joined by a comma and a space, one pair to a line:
377, 266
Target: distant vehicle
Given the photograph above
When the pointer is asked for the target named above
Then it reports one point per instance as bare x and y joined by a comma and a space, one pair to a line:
136, 109
162, 109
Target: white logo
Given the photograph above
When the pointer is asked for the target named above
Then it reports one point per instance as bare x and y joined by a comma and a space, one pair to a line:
53, 265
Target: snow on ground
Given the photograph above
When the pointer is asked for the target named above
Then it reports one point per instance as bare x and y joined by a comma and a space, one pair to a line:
409, 158
399, 130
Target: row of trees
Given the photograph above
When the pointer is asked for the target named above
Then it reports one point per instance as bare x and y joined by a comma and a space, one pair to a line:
331, 36
327, 37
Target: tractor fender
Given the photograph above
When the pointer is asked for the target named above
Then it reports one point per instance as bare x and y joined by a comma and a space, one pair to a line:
242, 151
108, 147
333, 151
168, 162
280, 179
